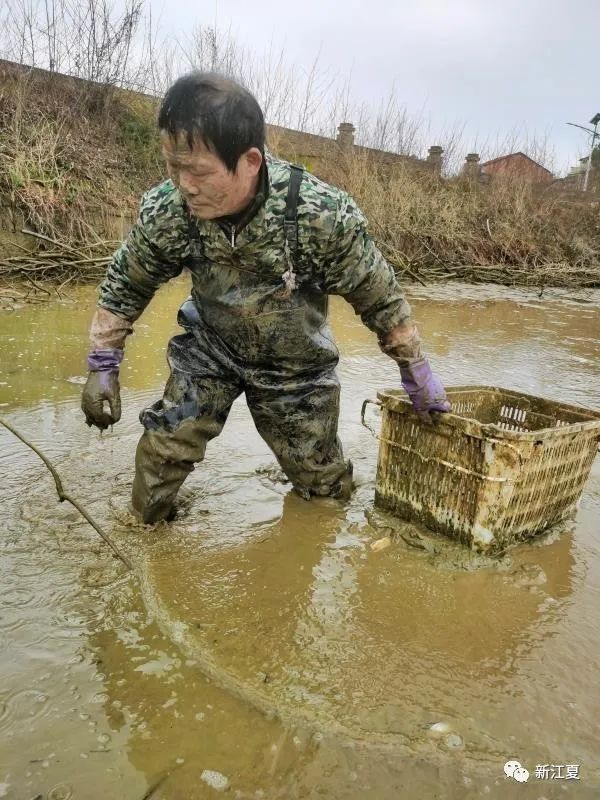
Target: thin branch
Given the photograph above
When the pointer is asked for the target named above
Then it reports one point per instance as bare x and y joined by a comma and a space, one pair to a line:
62, 495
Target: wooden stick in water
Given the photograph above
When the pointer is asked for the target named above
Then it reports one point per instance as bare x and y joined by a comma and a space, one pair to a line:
62, 495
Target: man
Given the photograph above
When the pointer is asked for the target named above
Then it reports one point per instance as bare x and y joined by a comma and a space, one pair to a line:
265, 244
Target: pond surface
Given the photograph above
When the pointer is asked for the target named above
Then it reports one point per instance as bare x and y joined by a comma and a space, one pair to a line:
263, 649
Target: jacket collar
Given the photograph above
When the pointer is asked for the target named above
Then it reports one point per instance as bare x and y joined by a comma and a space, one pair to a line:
240, 220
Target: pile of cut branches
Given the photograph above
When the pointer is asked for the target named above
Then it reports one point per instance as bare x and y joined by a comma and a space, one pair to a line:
539, 275
426, 271
57, 263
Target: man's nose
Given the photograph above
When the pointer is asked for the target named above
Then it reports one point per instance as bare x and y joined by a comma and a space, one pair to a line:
186, 183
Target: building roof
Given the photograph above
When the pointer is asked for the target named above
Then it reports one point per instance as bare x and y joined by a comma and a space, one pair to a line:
512, 155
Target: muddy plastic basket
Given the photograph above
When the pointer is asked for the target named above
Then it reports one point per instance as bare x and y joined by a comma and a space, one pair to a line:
501, 467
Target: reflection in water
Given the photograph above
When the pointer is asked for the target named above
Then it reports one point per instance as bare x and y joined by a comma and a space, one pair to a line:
282, 651
308, 610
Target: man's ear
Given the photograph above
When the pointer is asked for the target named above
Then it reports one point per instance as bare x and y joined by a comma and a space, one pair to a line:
254, 160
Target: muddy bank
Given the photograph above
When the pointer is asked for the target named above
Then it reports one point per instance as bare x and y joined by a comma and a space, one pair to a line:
544, 283
266, 642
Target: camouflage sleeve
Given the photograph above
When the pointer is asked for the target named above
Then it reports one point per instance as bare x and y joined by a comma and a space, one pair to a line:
152, 254
355, 269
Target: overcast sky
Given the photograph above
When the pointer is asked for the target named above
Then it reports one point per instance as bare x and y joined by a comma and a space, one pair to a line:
494, 67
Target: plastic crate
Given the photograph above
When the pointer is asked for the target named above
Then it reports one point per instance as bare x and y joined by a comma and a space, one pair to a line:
501, 467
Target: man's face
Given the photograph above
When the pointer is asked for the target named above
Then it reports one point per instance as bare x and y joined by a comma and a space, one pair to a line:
204, 181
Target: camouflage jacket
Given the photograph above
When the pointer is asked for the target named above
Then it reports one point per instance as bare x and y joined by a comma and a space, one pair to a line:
237, 271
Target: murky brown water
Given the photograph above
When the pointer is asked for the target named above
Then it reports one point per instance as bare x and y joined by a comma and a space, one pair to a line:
265, 640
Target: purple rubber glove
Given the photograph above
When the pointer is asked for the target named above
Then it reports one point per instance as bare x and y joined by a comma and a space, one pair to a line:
102, 386
424, 388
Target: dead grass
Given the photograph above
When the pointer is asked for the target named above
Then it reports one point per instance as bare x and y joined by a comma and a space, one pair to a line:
72, 155
509, 231
75, 159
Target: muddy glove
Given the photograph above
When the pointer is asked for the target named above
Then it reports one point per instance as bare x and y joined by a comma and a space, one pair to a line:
424, 388
102, 386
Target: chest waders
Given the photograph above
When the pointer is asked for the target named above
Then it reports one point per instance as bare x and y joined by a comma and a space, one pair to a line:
262, 332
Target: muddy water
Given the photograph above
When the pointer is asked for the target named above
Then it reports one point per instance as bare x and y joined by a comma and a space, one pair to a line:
263, 642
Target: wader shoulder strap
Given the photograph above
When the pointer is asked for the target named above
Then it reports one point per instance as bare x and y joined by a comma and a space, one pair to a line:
290, 219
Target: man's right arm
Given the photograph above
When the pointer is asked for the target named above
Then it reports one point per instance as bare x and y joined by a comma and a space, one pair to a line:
153, 253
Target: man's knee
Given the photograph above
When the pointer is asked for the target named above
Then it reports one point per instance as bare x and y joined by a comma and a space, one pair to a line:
186, 443
163, 460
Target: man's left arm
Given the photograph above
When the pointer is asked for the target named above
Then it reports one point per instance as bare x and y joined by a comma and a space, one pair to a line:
355, 269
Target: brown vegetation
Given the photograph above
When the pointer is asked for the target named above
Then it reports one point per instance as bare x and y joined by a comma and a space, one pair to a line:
69, 148
508, 231
75, 156
74, 159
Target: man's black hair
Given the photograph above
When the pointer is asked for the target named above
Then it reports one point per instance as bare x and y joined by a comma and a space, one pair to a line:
216, 110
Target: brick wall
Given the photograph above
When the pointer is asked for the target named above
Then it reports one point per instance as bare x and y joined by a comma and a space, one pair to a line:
316, 151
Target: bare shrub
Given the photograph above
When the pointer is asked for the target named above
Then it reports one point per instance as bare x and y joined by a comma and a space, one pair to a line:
509, 231
90, 39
